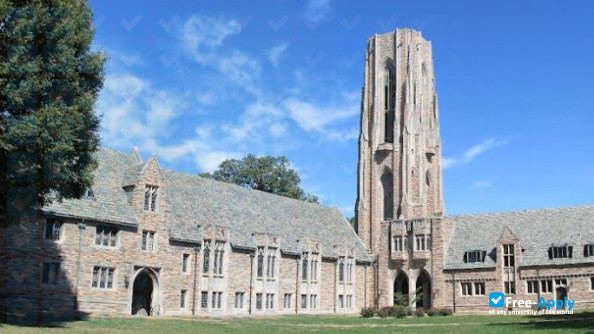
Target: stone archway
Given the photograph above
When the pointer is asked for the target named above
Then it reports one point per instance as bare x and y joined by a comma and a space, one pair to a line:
423, 295
401, 292
145, 293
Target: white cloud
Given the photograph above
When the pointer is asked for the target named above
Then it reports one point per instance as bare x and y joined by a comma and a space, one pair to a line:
201, 35
276, 54
471, 153
204, 131
240, 68
316, 10
277, 129
311, 117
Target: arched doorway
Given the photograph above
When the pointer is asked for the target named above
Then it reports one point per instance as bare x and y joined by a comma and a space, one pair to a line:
143, 293
423, 293
401, 289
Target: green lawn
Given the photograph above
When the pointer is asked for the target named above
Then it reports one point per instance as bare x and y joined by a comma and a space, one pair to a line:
582, 322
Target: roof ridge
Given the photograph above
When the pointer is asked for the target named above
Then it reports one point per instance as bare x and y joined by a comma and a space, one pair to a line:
492, 213
264, 193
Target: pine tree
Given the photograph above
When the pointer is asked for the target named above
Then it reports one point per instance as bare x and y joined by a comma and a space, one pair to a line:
49, 82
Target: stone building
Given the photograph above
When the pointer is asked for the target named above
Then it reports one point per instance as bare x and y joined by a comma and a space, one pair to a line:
146, 240
449, 261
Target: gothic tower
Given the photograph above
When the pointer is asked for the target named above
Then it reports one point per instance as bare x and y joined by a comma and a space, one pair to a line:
399, 205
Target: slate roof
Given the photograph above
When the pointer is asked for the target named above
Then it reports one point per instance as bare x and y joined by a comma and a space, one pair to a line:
537, 230
108, 202
196, 202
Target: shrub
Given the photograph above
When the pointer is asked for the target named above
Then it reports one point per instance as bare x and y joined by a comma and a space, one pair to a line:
400, 311
367, 312
446, 311
400, 299
384, 312
419, 312
433, 312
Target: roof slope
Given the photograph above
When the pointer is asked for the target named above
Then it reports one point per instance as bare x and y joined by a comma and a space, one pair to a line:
110, 202
196, 201
199, 201
537, 230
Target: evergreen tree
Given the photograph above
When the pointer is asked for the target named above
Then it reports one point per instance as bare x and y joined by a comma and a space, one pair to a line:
49, 83
269, 174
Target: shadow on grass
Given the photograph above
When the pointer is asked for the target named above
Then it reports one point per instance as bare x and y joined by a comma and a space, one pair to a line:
583, 320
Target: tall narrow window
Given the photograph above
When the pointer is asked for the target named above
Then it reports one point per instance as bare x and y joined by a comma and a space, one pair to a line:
260, 265
204, 299
341, 269
389, 102
182, 299
148, 240
270, 265
304, 264
258, 301
206, 261
508, 256
150, 198
185, 258
388, 184
314, 267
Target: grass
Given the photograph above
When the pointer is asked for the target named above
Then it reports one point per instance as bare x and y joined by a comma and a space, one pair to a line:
582, 322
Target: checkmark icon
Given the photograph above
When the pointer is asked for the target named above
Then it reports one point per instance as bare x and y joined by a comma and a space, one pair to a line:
496, 299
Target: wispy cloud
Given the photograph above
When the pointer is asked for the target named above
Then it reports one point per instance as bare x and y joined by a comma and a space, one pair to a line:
276, 54
316, 10
201, 35
471, 153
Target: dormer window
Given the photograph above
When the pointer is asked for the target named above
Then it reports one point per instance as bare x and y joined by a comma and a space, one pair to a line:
475, 256
560, 252
87, 193
150, 198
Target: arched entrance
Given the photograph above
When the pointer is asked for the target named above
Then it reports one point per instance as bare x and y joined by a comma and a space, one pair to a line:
423, 290
144, 293
401, 289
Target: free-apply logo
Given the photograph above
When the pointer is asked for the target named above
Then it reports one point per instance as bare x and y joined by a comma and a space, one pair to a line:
496, 299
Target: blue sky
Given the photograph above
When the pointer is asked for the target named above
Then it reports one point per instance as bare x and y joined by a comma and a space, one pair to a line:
197, 82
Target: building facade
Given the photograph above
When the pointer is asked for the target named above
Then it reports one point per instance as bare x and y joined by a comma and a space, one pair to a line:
438, 260
149, 241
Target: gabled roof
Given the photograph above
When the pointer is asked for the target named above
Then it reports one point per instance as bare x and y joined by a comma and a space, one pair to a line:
197, 202
537, 230
110, 202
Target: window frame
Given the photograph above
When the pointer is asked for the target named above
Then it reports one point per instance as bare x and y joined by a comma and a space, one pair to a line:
60, 230
107, 230
287, 301
110, 272
151, 198
548, 285
466, 288
148, 235
239, 298
183, 299
509, 256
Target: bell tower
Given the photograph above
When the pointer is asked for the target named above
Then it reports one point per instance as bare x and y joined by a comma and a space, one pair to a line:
399, 202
